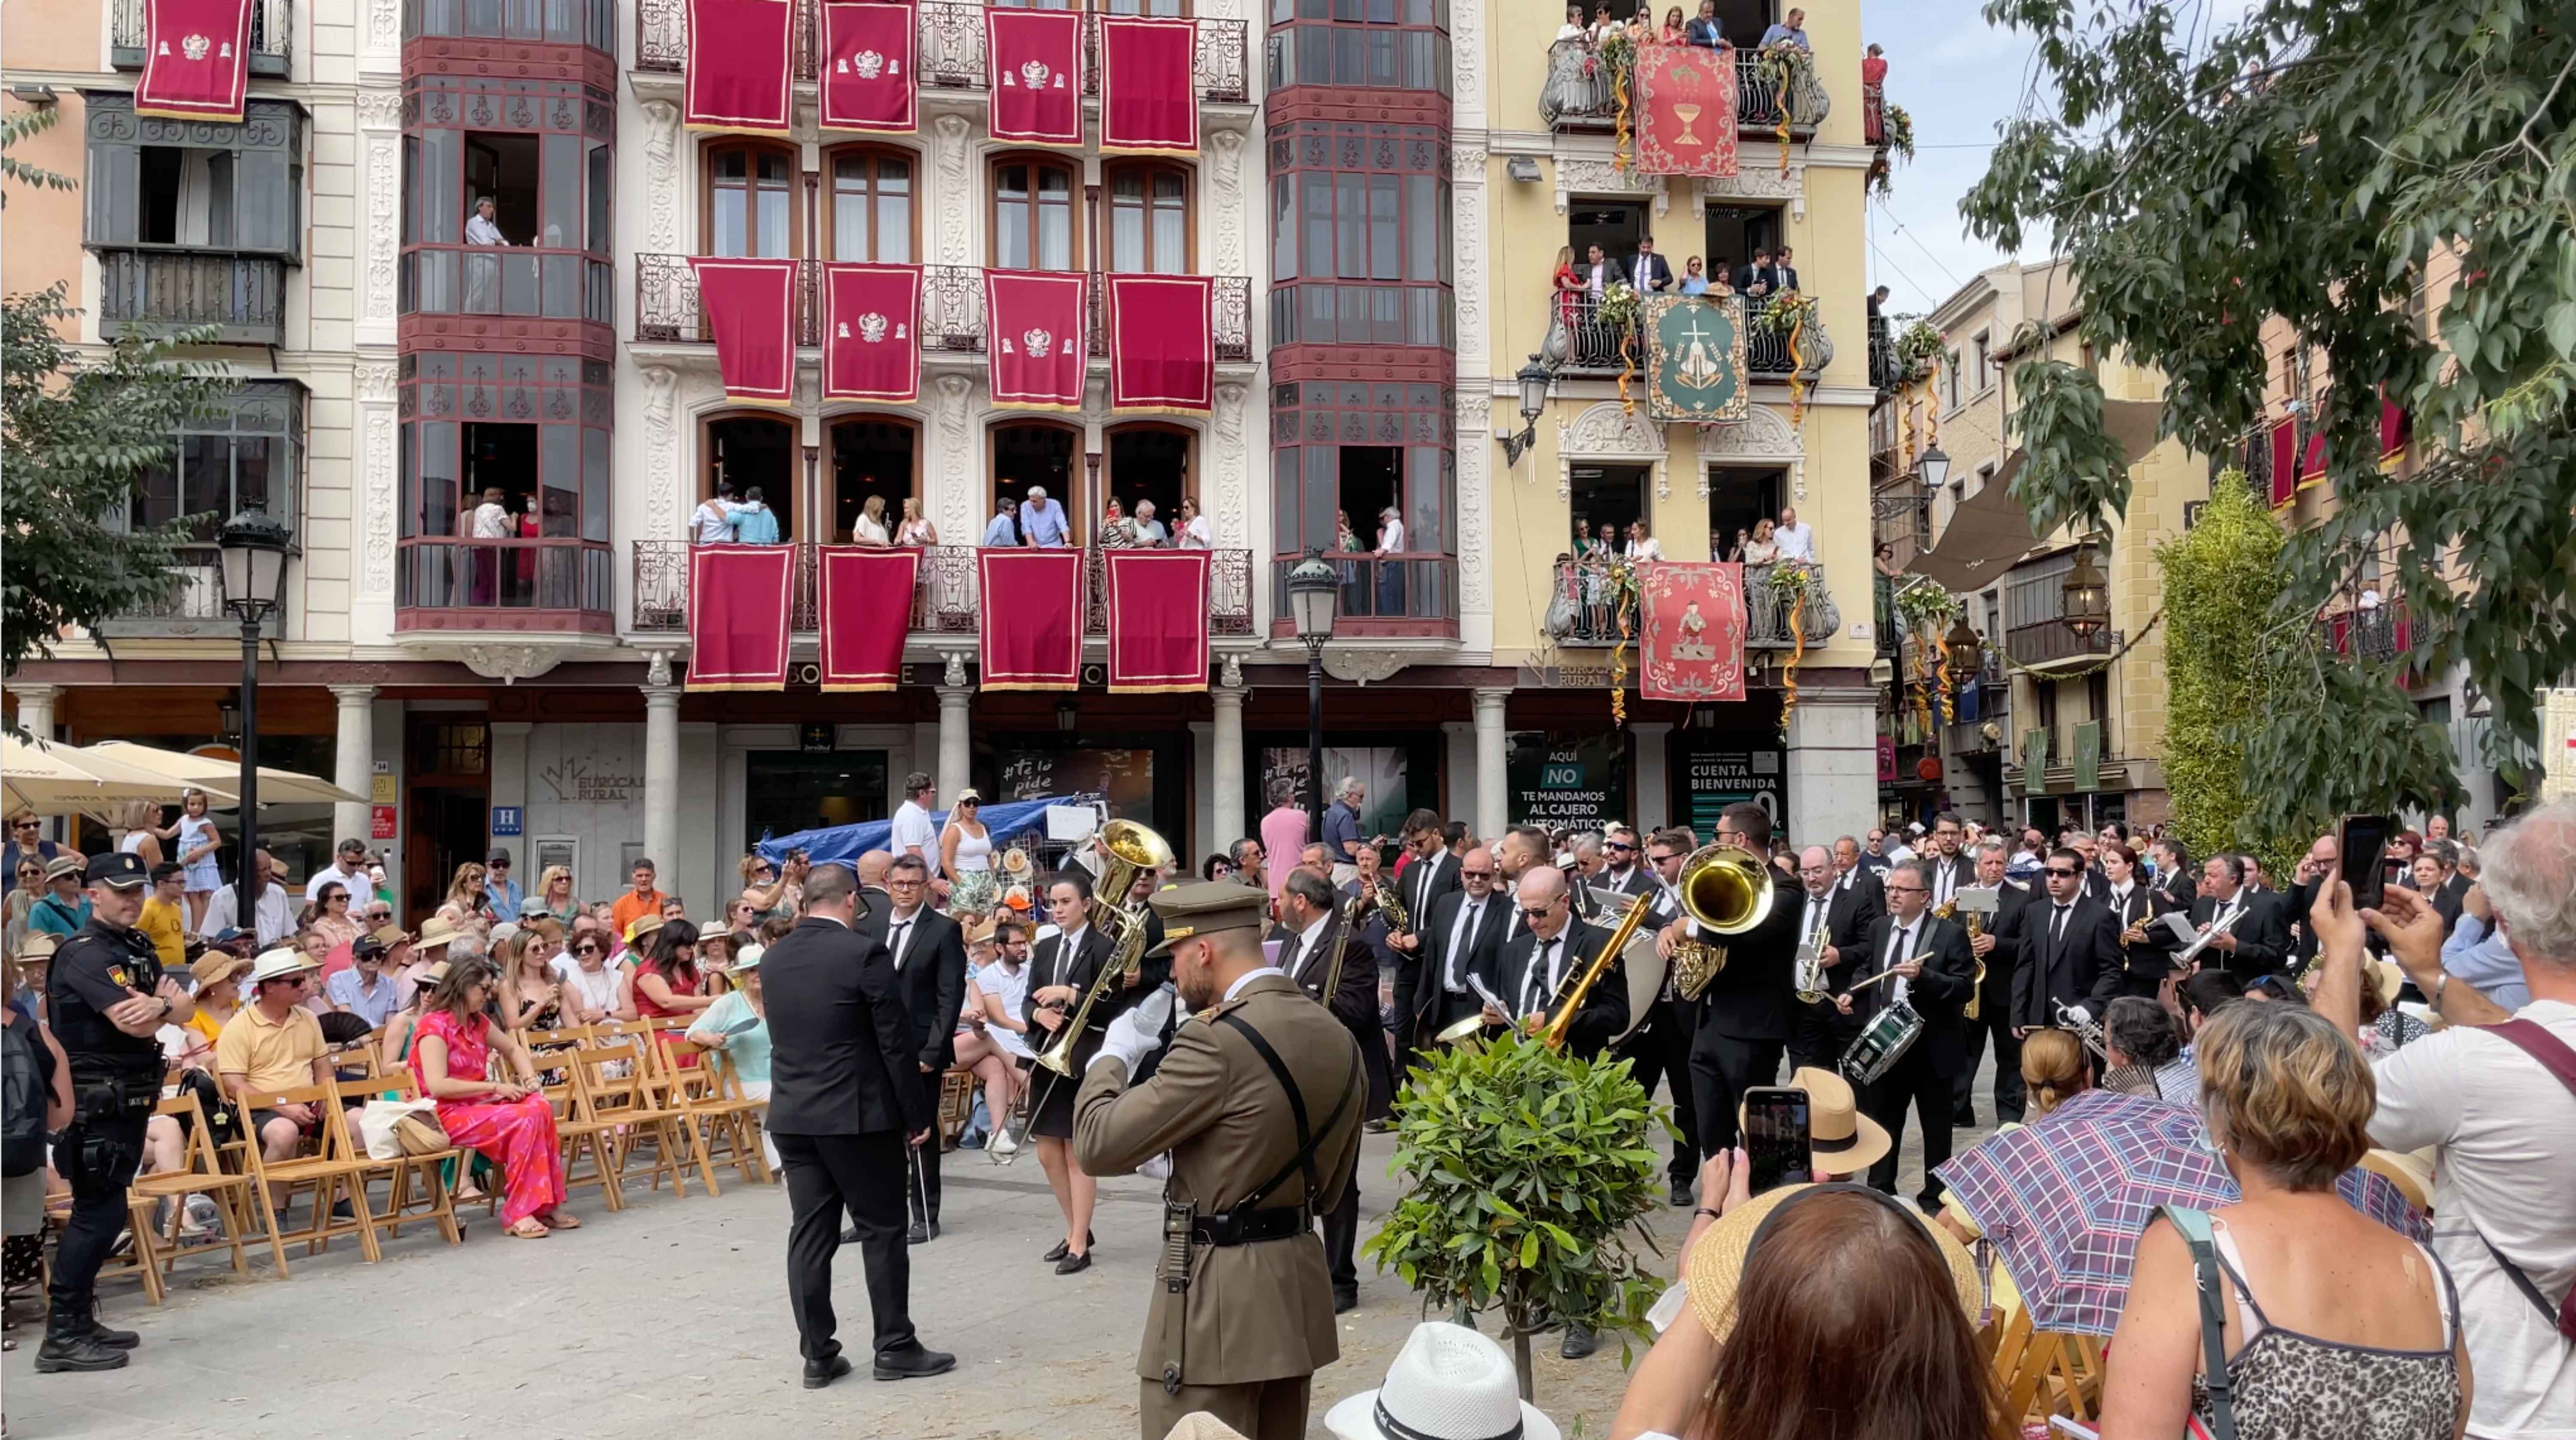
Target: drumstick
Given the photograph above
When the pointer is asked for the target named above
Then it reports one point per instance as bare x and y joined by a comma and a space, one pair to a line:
1884, 975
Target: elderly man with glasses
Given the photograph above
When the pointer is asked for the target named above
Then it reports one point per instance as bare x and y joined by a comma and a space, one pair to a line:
1929, 969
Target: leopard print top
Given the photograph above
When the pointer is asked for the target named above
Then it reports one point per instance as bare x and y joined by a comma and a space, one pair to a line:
2289, 1386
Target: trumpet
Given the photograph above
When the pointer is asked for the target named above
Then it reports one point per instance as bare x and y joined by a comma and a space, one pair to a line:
2088, 1031
1388, 905
1811, 966
1725, 891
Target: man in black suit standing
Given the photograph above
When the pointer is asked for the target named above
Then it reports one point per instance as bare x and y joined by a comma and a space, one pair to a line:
1660, 1048
1934, 973
1758, 281
1649, 272
1836, 921
2174, 873
1744, 1012
1430, 877
929, 955
1623, 869
1308, 933
1462, 938
2070, 952
1951, 870
1999, 950
2252, 932
1852, 871
845, 1104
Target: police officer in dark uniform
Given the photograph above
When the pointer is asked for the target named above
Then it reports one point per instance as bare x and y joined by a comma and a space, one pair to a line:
108, 1000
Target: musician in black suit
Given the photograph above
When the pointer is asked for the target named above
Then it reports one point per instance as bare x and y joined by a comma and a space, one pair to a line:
1744, 1012
1838, 919
1463, 937
1852, 871
1430, 877
2174, 875
2070, 950
2252, 929
1539, 966
1951, 869
1062, 970
845, 1097
1934, 972
2146, 948
1309, 936
1998, 949
1659, 1050
929, 954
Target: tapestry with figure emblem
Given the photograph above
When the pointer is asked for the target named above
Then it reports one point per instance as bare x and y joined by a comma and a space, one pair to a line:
1149, 105
867, 70
738, 81
1695, 358
1035, 60
1685, 110
1162, 344
196, 59
1690, 643
1036, 338
872, 332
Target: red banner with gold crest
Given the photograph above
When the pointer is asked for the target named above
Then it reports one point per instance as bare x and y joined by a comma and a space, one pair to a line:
1685, 107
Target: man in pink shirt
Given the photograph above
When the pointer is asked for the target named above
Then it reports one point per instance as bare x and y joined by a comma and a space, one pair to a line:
1283, 834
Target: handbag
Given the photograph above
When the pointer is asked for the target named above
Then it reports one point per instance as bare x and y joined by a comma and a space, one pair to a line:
420, 1134
393, 1129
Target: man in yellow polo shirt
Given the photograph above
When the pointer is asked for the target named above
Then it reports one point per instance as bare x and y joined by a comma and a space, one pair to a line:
273, 1044
165, 915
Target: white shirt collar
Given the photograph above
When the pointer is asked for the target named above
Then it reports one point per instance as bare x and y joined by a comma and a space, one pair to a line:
1307, 937
897, 917
1249, 976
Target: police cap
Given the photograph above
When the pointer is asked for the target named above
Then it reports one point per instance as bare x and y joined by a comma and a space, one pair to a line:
120, 871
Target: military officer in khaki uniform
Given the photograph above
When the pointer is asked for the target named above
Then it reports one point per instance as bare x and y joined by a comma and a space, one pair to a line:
1259, 1099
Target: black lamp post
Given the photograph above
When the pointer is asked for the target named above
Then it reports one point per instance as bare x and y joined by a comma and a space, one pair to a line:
1934, 466
255, 548
1533, 380
1967, 653
1314, 595
2086, 597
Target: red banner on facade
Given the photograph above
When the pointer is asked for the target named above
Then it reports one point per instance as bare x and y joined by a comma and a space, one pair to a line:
1162, 343
2394, 429
867, 79
738, 604
1149, 102
1035, 60
866, 609
2285, 462
1685, 108
1032, 606
738, 66
196, 59
1691, 632
750, 307
1158, 620
872, 332
1036, 341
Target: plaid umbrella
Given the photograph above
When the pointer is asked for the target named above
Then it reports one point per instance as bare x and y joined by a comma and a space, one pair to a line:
2064, 1199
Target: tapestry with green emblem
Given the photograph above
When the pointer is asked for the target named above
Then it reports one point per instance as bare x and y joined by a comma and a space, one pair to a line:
1694, 358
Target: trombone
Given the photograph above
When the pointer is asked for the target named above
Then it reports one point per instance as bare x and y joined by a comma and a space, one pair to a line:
1583, 980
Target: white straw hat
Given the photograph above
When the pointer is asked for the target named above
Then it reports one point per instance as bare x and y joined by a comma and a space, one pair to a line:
1447, 1383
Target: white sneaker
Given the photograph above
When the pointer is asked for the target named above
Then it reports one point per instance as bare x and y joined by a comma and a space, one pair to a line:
1001, 1144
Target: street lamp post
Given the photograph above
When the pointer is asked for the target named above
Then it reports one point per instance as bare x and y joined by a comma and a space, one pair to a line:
1314, 595
2086, 596
1533, 380
255, 548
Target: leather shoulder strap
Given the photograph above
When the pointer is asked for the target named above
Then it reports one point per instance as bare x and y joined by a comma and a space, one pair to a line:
2193, 1226
1307, 1140
2534, 1040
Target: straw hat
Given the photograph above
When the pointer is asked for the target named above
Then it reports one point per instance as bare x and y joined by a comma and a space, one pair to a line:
215, 967
1840, 1139
749, 959
2409, 1170
1447, 1383
435, 934
639, 927
1015, 863
1716, 1263
38, 945
279, 963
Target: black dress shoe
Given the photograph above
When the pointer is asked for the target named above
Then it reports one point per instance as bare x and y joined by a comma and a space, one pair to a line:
1073, 1264
1345, 1300
1681, 1196
1062, 1249
913, 1362
1963, 1120
919, 1234
819, 1373
1578, 1343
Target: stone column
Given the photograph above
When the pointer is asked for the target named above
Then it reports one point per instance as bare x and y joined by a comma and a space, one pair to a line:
662, 770
956, 756
509, 777
36, 708
1833, 763
1225, 771
353, 765
1493, 794
1647, 742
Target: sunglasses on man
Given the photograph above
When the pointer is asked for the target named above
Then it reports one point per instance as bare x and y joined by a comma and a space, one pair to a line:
2063, 873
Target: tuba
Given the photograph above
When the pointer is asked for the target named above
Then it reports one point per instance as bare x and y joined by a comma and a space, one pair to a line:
1725, 890
1127, 850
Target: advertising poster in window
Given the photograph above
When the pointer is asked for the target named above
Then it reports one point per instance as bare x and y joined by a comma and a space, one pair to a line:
1381, 771
1707, 779
1567, 782
1124, 778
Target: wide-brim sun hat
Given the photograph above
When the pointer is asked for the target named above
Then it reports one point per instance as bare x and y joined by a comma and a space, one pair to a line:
1840, 1139
1447, 1383
749, 959
1715, 1267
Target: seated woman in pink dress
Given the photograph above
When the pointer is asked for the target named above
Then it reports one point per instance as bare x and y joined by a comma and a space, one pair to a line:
507, 1121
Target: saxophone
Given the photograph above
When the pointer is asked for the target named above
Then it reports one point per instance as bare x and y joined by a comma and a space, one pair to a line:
1388, 905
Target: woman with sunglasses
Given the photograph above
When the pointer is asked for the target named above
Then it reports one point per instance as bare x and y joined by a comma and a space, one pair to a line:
22, 900
466, 908
966, 857
331, 918
593, 989
554, 890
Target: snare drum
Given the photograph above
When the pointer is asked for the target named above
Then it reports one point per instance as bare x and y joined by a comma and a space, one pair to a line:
1883, 1042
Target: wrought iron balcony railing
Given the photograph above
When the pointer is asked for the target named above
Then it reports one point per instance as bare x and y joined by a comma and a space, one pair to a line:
272, 32
445, 583
1581, 612
944, 598
668, 309
2381, 632
169, 288
951, 50
1579, 340
1403, 594
1579, 93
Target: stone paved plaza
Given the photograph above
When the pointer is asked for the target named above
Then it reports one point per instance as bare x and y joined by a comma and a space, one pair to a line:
670, 1319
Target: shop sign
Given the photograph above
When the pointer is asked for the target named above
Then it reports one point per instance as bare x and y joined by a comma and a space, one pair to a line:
1706, 781
380, 789
508, 820
381, 822
1568, 782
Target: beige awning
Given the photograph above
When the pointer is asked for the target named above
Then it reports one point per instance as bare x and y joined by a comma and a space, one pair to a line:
204, 772
2134, 423
56, 779
1987, 532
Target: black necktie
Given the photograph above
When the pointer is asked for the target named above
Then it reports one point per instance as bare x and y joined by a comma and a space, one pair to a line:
1288, 954
902, 928
2057, 925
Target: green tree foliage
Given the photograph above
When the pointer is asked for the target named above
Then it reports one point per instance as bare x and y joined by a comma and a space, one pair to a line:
1529, 1173
2221, 579
2311, 163
76, 435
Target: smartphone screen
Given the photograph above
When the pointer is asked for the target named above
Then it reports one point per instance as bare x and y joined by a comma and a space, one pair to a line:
1775, 1136
2363, 840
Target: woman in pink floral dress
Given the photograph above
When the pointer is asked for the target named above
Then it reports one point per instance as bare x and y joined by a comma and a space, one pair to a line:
508, 1121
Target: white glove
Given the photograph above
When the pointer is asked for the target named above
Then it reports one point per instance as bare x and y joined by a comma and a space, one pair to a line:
1137, 1032
2079, 1014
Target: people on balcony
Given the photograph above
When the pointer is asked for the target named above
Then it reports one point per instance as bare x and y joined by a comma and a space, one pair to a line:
1786, 263
1042, 521
1390, 571
1873, 67
1758, 280
1797, 538
1002, 532
1569, 287
754, 523
483, 272
1643, 547
915, 531
1760, 547
1593, 555
1195, 533
870, 528
712, 522
1674, 31
489, 520
1877, 297
1694, 277
1649, 272
1600, 272
1575, 82
1149, 531
1603, 25
1117, 532
1791, 27
1705, 29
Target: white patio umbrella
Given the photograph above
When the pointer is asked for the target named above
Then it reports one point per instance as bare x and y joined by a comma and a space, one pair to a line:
207, 773
53, 779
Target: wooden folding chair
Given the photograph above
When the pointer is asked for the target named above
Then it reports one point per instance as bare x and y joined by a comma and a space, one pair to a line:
577, 1135
338, 1169
205, 1175
956, 1105
624, 1105
141, 1257
428, 1173
723, 1123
